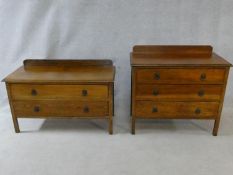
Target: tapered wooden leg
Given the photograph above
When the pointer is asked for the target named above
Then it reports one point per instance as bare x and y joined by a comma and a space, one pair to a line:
132, 125
217, 120
110, 126
111, 107
216, 126
14, 118
16, 124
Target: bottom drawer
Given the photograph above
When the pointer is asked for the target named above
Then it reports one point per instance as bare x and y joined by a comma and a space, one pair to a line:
174, 110
53, 108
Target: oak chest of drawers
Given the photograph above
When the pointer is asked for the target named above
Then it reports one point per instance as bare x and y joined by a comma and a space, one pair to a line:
177, 82
62, 88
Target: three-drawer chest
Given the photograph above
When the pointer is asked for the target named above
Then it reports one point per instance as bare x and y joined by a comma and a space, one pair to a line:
177, 82
62, 88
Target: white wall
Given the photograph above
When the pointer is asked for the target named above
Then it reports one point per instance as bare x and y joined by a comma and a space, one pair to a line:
79, 29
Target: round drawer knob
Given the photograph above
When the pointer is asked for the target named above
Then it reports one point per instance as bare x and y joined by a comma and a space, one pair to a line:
86, 109
84, 92
157, 76
155, 92
197, 111
154, 109
34, 92
203, 76
201, 93
36, 109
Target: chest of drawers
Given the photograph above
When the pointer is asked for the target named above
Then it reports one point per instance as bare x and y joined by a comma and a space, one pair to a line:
177, 82
62, 88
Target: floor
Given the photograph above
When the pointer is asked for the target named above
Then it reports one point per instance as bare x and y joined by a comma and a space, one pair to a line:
48, 147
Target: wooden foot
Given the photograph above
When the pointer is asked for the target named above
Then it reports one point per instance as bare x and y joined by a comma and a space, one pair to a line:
216, 126
110, 126
16, 124
133, 126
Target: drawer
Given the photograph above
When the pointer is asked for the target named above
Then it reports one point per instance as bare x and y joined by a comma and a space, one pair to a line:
181, 75
179, 92
27, 91
175, 110
55, 108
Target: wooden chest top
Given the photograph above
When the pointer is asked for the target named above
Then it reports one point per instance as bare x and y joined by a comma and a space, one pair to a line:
152, 55
63, 71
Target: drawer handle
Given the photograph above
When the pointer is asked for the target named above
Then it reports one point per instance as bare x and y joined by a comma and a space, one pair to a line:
34, 92
203, 76
84, 92
157, 76
198, 111
36, 109
155, 92
154, 109
201, 93
86, 109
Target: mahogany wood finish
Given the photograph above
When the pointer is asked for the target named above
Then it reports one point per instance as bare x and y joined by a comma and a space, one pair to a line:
62, 88
177, 82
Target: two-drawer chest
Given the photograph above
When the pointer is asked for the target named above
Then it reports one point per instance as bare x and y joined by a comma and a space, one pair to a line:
177, 82
62, 88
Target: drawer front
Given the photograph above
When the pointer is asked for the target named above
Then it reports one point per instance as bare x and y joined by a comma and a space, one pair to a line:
181, 76
22, 91
179, 92
54, 108
174, 110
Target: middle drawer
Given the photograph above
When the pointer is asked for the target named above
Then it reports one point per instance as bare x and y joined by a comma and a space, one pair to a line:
27, 91
179, 92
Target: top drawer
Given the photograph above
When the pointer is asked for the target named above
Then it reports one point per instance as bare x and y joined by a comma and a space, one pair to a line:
181, 75
27, 91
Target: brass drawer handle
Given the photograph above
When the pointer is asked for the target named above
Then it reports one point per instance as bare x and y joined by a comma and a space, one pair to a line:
201, 93
203, 76
155, 92
84, 92
157, 76
198, 111
34, 92
154, 109
86, 109
36, 109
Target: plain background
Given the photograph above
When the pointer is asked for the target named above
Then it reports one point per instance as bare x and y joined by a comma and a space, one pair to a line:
90, 29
